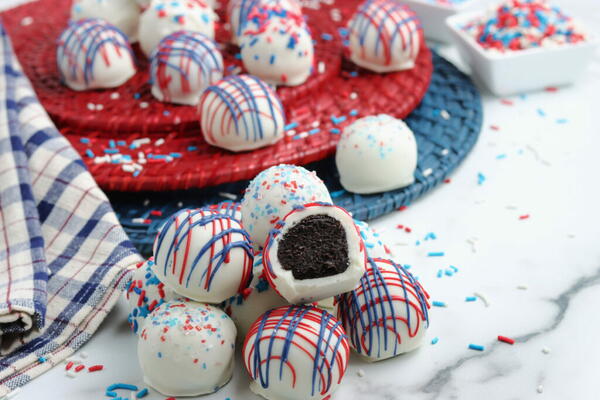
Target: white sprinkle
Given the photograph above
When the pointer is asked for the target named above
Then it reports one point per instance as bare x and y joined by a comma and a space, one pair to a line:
99, 107
321, 67
427, 172
115, 157
146, 202
83, 355
546, 350
360, 373
71, 374
401, 244
509, 207
159, 142
26, 21
483, 299
180, 204
291, 132
229, 196
138, 220
445, 114
141, 154
144, 104
540, 389
445, 152
101, 160
141, 161
114, 95
141, 141
236, 70
522, 287
315, 124
168, 159
91, 106
138, 167
302, 135
353, 95
177, 121
128, 168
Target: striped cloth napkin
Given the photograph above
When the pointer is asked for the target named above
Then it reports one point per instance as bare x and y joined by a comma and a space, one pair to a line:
63, 254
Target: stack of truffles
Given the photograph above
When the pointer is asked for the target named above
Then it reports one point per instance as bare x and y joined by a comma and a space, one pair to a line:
288, 274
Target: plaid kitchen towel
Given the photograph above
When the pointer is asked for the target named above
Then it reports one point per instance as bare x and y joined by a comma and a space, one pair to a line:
63, 254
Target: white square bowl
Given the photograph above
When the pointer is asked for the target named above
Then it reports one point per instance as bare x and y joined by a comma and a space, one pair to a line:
433, 15
514, 72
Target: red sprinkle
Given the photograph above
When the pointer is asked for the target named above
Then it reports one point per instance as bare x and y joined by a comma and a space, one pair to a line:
551, 89
95, 368
494, 127
407, 230
506, 339
69, 365
522, 217
399, 226
79, 368
156, 213
447, 180
402, 208
171, 398
507, 102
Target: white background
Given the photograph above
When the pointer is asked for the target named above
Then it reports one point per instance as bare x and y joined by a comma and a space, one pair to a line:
533, 165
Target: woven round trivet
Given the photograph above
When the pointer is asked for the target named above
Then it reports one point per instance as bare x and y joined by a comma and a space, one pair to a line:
446, 124
107, 121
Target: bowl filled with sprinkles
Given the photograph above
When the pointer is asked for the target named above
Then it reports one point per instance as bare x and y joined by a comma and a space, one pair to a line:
523, 45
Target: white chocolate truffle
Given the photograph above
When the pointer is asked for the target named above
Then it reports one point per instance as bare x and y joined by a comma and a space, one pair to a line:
384, 36
296, 353
374, 247
183, 65
203, 255
387, 313
313, 253
243, 14
254, 301
386, 150
241, 112
144, 293
93, 54
163, 17
187, 348
280, 51
275, 192
124, 14
229, 208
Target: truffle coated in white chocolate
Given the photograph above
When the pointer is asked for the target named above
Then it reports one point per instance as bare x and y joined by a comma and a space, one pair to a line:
163, 17
93, 54
124, 14
254, 301
384, 36
387, 313
275, 192
187, 348
241, 112
144, 293
280, 51
203, 255
242, 14
386, 150
296, 353
285, 280
183, 65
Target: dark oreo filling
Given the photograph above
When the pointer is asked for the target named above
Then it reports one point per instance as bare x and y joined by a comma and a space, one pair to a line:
315, 247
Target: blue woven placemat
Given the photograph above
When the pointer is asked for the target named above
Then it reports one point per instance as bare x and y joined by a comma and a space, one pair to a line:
447, 124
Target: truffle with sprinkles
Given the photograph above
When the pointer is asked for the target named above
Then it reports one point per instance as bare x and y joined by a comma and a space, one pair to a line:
387, 313
523, 24
241, 112
124, 14
296, 353
203, 255
164, 17
384, 36
144, 293
279, 50
93, 54
187, 348
275, 192
183, 66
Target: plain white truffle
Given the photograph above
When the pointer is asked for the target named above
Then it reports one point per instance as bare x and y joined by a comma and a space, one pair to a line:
187, 348
386, 151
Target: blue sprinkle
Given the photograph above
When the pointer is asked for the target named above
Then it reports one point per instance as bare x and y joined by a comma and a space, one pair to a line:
435, 340
343, 32
142, 393
476, 347
291, 125
313, 131
541, 112
354, 74
454, 268
337, 194
137, 96
418, 243
134, 146
121, 143
440, 273
480, 178
326, 36
112, 144
439, 304
192, 148
136, 173
436, 254
111, 151
338, 120
84, 140
470, 299
500, 156
238, 56
42, 359
166, 113
175, 155
89, 153
449, 272
353, 113
123, 386
272, 59
562, 121
335, 131
110, 393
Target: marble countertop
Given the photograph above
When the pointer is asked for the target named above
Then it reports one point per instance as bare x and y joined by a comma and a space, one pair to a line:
526, 240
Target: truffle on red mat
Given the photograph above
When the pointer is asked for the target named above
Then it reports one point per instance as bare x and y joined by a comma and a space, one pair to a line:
313, 253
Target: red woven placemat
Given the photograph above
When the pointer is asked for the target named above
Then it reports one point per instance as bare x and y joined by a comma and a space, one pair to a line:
95, 121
